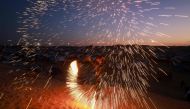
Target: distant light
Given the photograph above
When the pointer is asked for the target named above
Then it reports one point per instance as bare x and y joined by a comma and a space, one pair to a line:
38, 44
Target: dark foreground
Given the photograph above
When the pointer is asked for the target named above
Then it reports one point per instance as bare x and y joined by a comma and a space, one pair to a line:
24, 88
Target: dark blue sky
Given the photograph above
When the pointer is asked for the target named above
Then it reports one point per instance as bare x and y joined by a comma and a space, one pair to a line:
9, 17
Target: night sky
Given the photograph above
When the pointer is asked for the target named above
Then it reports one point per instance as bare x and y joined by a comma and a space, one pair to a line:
56, 26
8, 19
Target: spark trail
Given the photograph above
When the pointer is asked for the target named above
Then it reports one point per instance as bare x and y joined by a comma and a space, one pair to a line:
122, 81
127, 69
98, 22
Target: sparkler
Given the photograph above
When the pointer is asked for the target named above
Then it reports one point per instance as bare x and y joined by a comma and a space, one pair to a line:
74, 86
110, 22
122, 82
127, 70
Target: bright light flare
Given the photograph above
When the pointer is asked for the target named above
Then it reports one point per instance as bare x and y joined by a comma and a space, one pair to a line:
72, 76
74, 87
74, 68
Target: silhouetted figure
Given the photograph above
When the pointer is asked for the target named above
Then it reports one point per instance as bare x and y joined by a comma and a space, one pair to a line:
86, 71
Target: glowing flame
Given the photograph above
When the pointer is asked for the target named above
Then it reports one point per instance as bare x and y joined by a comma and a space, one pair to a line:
74, 69
74, 87
73, 74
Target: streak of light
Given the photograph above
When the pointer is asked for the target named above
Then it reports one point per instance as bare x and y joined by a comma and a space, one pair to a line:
29, 103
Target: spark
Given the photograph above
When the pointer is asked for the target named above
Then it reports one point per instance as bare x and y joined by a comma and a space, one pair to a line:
165, 15
47, 82
29, 103
1, 96
170, 8
164, 24
181, 16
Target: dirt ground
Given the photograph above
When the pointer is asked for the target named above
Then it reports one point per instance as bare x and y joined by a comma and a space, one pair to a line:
24, 89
